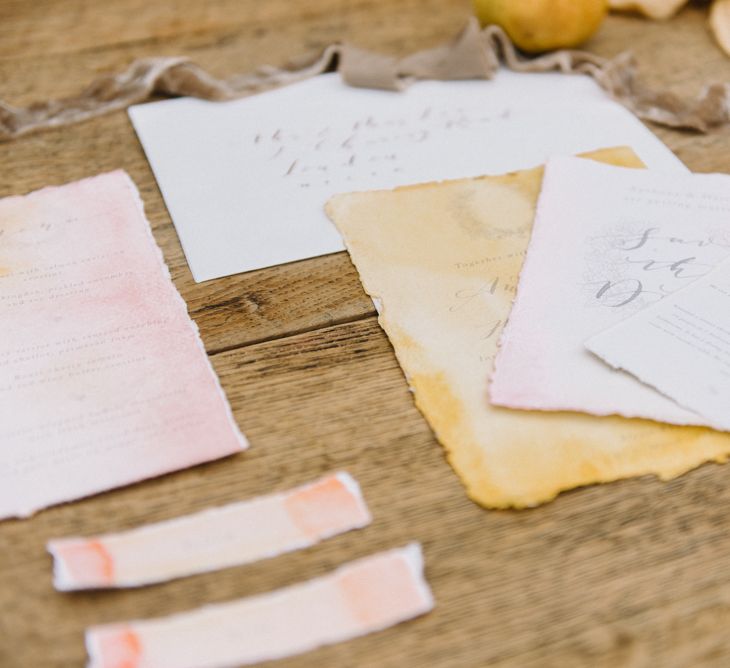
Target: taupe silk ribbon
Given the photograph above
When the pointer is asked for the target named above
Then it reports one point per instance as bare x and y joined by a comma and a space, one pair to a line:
473, 54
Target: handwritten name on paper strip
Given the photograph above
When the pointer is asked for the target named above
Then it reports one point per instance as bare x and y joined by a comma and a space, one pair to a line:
237, 533
359, 598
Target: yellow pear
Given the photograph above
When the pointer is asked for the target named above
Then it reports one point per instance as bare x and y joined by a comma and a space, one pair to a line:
543, 25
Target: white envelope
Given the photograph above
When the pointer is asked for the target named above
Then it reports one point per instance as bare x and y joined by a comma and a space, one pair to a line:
245, 181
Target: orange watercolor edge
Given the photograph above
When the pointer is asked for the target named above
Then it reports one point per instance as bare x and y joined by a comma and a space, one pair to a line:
63, 578
340, 483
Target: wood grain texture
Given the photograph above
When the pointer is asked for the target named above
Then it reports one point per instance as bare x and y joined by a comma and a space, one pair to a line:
633, 574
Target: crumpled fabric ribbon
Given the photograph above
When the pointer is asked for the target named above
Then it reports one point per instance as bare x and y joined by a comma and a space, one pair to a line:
473, 54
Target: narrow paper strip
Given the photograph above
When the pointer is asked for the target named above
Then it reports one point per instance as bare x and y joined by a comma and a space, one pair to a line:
361, 597
230, 535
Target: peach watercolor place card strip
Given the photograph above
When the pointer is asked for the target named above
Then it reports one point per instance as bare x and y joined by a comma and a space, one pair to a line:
359, 598
217, 538
680, 346
607, 242
441, 261
103, 378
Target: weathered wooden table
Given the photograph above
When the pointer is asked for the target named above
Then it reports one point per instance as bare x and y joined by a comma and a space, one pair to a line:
634, 573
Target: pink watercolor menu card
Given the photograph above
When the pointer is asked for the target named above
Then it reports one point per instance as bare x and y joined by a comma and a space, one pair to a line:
607, 242
103, 377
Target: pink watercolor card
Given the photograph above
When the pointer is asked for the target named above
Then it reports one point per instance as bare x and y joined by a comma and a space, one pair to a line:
607, 242
104, 380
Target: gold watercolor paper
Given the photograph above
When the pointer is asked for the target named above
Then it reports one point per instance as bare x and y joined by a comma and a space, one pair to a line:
441, 261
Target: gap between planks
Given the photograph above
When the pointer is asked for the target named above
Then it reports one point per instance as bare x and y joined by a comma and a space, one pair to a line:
286, 335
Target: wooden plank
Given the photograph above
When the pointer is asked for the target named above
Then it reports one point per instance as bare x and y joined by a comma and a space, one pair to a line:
48, 25
57, 27
627, 574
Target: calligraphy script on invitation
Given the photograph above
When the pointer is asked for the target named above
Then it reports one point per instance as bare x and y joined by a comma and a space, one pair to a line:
244, 181
607, 243
103, 377
639, 262
442, 261
368, 147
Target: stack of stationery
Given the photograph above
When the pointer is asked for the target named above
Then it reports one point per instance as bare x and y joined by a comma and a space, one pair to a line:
444, 261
